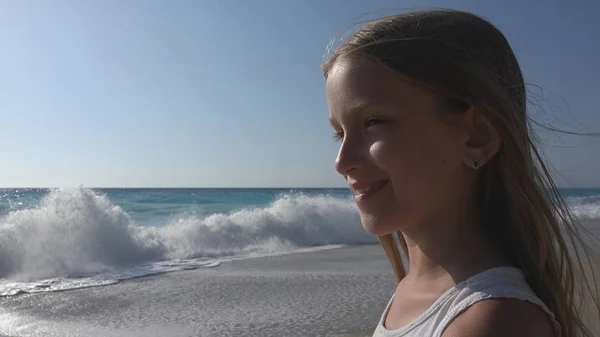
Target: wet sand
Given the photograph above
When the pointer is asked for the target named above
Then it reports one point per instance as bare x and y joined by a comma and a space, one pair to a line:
340, 292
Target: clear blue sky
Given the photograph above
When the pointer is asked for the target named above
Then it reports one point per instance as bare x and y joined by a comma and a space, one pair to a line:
215, 93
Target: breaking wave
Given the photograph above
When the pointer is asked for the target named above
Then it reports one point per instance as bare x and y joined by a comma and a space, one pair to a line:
77, 238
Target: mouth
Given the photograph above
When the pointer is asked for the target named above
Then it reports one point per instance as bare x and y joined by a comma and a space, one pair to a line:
365, 190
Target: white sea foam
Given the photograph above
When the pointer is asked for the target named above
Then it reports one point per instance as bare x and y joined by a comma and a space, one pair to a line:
77, 238
585, 208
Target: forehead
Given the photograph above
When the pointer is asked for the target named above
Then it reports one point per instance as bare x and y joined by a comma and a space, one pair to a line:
358, 83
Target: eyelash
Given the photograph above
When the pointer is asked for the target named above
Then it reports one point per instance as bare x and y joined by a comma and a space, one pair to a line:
338, 135
377, 120
371, 121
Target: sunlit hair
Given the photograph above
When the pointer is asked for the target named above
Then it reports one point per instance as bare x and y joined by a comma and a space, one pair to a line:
468, 62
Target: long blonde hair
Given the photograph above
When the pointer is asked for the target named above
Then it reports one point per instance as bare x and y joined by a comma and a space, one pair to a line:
469, 62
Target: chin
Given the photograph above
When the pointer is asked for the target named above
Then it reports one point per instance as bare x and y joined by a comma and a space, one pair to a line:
377, 227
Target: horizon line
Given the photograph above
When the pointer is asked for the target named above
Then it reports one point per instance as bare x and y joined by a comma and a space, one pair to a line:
174, 187
216, 188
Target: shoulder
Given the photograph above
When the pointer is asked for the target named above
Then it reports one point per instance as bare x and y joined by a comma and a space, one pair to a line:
499, 318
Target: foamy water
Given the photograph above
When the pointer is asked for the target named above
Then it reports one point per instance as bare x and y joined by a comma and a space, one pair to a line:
77, 238
585, 208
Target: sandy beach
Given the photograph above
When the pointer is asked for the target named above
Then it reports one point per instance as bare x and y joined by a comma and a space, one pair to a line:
338, 292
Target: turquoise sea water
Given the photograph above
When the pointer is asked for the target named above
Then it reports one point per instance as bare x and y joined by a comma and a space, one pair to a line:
53, 239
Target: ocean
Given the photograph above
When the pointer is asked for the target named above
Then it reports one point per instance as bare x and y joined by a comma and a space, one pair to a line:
195, 262
63, 239
59, 239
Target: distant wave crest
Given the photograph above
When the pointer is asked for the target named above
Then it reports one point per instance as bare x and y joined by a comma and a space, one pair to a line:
585, 208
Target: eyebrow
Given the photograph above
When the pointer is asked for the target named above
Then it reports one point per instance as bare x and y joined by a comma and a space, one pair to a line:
354, 109
361, 106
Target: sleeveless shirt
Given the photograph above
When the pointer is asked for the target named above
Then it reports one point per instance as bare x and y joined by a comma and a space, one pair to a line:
500, 282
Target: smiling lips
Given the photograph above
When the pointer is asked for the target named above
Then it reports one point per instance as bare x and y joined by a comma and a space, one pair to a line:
363, 190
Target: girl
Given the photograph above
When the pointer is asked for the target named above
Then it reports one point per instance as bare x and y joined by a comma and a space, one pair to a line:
430, 110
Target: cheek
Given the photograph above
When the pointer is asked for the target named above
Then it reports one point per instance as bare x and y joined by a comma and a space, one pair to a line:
391, 156
402, 155
379, 151
414, 160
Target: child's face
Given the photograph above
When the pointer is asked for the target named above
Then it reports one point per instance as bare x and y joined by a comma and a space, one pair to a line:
396, 139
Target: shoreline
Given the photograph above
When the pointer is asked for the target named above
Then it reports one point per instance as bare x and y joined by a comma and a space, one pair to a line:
338, 292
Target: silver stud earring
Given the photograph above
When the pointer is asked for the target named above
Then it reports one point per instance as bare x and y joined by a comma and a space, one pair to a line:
475, 164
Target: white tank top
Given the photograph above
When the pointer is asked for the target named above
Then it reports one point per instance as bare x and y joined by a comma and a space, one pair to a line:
501, 282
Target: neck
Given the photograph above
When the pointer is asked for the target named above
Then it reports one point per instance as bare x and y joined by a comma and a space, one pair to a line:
457, 250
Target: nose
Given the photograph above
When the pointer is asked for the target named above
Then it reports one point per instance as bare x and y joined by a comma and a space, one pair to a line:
349, 157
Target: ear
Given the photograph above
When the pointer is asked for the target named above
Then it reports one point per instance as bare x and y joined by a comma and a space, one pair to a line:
481, 140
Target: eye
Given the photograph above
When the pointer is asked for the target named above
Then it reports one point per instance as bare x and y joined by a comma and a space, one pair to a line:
338, 135
375, 120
